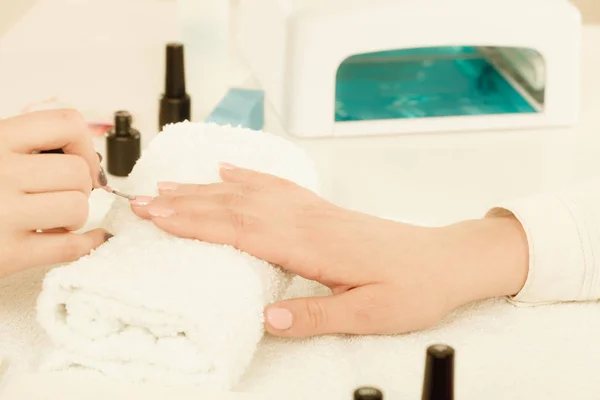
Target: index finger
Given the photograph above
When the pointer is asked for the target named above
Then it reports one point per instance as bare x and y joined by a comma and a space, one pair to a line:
49, 130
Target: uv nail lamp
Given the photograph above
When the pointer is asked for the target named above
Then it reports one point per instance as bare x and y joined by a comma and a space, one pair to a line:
360, 67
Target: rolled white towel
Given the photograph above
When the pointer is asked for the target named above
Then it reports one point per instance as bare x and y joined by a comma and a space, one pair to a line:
150, 306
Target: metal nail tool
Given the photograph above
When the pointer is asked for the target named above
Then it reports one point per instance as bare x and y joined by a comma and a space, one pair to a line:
118, 193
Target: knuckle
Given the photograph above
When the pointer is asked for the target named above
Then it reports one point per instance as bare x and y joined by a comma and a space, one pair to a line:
231, 199
185, 205
183, 202
78, 163
317, 273
7, 174
315, 314
282, 183
10, 257
71, 116
183, 189
81, 173
248, 188
363, 312
242, 225
234, 208
77, 205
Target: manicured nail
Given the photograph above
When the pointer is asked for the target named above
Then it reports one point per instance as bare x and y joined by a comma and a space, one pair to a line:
99, 156
141, 201
225, 165
102, 178
167, 186
108, 236
279, 318
160, 212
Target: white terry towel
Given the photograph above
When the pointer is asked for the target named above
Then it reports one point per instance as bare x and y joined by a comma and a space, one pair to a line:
150, 306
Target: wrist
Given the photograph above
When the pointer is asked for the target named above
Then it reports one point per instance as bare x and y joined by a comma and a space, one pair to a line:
488, 258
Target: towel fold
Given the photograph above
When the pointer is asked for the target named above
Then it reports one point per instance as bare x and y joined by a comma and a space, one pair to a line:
503, 352
150, 306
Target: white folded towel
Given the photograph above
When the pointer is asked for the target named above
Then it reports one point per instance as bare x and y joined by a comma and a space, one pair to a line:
151, 306
503, 352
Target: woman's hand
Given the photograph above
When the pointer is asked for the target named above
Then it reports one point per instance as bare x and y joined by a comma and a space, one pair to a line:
386, 277
46, 192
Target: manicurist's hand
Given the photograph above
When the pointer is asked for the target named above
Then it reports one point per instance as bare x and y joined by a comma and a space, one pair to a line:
386, 277
45, 196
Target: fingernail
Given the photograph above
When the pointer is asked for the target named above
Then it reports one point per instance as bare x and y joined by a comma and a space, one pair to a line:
141, 201
102, 178
161, 212
108, 236
167, 185
99, 156
225, 165
279, 318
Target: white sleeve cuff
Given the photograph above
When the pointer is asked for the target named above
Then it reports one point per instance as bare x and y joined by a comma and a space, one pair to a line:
561, 255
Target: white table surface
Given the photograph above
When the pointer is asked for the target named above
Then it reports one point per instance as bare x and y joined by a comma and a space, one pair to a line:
105, 55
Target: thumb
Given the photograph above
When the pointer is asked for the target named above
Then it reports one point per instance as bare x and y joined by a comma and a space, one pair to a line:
341, 313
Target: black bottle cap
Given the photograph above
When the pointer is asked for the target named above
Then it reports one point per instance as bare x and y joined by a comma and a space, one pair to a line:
123, 122
368, 393
438, 382
123, 145
175, 103
175, 71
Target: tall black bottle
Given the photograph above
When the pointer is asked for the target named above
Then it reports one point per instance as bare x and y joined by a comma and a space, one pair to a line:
438, 382
175, 103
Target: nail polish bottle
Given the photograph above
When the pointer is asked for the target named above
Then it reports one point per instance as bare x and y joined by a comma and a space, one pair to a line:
175, 103
438, 382
368, 393
123, 145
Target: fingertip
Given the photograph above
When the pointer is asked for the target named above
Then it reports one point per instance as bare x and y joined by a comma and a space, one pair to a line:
141, 212
313, 316
141, 201
232, 173
153, 207
227, 166
225, 174
172, 192
74, 245
278, 319
168, 187
139, 206
97, 237
98, 175
102, 179
158, 211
